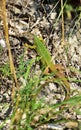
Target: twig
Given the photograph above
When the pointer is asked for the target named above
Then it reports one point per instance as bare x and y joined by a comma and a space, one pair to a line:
5, 25
63, 41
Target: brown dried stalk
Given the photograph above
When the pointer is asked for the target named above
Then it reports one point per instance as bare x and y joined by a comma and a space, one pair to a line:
5, 25
63, 41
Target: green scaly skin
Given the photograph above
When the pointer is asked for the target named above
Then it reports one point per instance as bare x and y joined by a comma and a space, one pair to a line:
47, 61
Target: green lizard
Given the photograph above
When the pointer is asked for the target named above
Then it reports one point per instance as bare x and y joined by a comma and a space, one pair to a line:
47, 61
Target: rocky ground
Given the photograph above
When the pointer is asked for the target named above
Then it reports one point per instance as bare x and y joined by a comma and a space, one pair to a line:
41, 19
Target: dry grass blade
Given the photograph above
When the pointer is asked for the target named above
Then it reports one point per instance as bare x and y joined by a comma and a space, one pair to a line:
5, 24
63, 42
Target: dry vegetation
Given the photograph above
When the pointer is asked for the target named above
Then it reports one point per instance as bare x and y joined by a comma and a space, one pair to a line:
30, 99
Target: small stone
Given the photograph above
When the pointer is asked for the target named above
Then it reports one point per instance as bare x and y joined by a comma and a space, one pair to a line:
71, 124
2, 43
53, 15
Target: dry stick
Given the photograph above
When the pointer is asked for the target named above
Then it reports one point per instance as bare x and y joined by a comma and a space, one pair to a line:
60, 47
63, 42
5, 25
